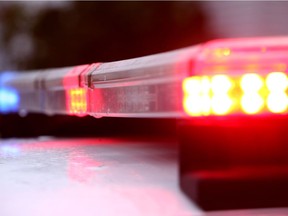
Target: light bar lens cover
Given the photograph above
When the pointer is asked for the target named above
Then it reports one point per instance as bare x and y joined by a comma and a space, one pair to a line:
219, 78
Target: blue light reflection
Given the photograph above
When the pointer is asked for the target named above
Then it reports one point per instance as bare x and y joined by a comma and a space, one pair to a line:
9, 151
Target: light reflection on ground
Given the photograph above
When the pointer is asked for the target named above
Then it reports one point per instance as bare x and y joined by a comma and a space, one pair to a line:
96, 176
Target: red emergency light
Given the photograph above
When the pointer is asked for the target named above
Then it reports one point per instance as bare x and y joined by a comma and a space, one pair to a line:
238, 76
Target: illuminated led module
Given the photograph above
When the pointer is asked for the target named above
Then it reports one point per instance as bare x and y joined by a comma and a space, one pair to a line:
246, 78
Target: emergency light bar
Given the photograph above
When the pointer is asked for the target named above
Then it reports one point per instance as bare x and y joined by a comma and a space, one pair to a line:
218, 78
238, 162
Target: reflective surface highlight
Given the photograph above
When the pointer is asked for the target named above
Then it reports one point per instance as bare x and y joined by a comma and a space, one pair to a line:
99, 176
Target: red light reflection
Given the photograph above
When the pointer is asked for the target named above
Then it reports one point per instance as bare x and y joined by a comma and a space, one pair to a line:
81, 167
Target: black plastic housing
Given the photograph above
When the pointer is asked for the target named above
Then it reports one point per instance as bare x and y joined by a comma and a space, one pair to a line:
234, 163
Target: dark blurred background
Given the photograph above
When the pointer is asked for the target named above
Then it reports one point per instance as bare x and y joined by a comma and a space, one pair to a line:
56, 34
49, 34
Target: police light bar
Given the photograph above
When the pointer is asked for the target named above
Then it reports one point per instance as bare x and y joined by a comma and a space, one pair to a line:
218, 78
238, 161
